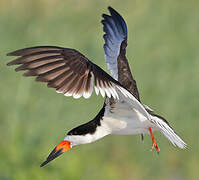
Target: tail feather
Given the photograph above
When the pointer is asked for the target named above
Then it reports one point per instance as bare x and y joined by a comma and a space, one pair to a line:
169, 133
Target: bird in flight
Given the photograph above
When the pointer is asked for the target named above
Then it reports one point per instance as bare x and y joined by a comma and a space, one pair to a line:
71, 73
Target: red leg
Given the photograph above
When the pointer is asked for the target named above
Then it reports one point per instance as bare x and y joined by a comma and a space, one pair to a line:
154, 142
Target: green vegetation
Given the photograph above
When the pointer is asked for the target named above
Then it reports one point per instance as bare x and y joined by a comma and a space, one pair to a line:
163, 54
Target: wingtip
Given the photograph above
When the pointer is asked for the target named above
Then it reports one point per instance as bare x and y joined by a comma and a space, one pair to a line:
110, 8
119, 19
14, 53
9, 54
9, 64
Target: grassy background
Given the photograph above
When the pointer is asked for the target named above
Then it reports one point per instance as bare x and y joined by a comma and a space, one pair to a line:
163, 53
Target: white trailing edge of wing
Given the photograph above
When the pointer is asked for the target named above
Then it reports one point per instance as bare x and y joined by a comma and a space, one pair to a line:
148, 108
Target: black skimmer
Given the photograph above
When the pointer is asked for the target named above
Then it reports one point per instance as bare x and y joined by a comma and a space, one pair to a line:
73, 74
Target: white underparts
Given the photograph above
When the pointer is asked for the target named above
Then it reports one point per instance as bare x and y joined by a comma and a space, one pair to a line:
123, 118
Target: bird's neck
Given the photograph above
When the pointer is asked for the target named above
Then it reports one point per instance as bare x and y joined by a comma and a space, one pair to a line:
101, 131
89, 132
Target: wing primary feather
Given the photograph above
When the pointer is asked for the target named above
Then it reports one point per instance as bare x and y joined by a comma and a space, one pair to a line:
34, 56
31, 50
39, 62
44, 68
50, 75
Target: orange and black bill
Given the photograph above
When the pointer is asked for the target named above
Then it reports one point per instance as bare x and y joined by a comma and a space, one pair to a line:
57, 151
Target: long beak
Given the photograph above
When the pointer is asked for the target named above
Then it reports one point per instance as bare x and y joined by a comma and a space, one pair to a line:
57, 151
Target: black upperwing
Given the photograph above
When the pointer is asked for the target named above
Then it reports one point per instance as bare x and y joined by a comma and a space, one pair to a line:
115, 45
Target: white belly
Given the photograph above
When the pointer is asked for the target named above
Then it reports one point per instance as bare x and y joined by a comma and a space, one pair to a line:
122, 119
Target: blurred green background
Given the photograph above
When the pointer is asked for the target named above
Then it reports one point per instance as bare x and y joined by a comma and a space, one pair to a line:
164, 57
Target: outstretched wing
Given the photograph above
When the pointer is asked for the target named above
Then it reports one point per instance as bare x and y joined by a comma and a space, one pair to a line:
115, 38
66, 70
69, 72
115, 33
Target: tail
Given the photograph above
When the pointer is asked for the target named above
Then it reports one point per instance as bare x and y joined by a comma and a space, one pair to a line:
168, 132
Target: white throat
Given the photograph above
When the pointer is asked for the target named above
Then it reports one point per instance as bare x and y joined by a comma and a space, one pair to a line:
100, 132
